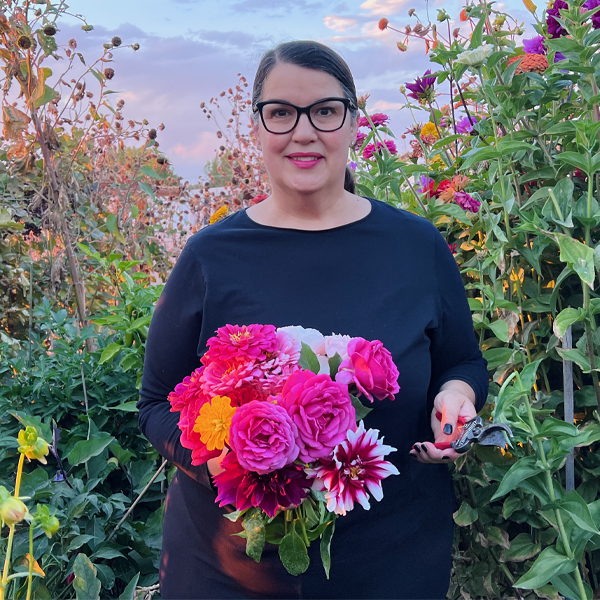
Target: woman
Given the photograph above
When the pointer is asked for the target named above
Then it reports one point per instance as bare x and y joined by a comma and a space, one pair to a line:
314, 254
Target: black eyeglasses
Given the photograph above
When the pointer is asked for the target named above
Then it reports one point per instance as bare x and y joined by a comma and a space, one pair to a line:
328, 114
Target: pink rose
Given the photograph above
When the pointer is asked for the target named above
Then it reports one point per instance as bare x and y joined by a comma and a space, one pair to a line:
263, 436
371, 368
322, 411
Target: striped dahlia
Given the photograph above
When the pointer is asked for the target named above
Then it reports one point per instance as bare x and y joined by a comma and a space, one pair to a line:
357, 468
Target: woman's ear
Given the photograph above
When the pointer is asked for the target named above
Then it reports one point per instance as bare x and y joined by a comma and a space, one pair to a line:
354, 129
255, 131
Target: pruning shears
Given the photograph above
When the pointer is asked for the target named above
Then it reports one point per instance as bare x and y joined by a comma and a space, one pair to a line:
476, 431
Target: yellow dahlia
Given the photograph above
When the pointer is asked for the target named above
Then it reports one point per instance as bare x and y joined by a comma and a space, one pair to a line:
430, 129
214, 421
218, 215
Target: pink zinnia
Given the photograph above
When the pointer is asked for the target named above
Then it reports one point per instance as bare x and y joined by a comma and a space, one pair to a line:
264, 437
284, 361
466, 201
360, 138
282, 488
246, 343
370, 366
357, 467
187, 390
221, 377
322, 411
377, 118
369, 149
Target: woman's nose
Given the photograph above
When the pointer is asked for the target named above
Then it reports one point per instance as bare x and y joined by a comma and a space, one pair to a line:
304, 131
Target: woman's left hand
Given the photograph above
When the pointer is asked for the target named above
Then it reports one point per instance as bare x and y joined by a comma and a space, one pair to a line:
455, 399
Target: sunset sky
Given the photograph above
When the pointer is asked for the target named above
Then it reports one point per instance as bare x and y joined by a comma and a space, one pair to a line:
191, 50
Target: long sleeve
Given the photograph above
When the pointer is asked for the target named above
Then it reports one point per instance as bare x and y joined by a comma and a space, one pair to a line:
455, 351
171, 354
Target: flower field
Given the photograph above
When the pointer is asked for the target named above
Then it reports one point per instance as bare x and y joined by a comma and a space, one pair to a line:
503, 157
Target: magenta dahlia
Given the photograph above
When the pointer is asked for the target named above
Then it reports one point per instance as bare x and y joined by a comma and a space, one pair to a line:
357, 468
246, 343
282, 488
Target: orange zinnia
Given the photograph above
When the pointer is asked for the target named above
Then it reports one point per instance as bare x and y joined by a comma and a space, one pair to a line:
214, 421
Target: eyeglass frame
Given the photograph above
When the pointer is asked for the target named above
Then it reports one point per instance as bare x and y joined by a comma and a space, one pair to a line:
304, 110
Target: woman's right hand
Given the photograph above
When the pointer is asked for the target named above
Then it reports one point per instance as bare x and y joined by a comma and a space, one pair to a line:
214, 464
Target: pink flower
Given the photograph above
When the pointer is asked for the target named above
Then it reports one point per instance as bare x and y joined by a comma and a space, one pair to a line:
377, 118
369, 149
284, 361
466, 201
282, 488
360, 138
185, 391
264, 437
371, 368
357, 467
221, 377
337, 344
243, 344
312, 337
322, 411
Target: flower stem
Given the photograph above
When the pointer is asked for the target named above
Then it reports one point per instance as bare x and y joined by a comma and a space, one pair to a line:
31, 561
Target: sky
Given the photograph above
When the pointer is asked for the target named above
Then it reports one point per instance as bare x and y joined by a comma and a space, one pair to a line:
191, 50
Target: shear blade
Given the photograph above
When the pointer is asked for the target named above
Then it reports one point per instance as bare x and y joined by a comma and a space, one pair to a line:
493, 438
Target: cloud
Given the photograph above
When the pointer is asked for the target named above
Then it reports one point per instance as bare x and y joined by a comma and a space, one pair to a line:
237, 39
283, 5
339, 23
383, 8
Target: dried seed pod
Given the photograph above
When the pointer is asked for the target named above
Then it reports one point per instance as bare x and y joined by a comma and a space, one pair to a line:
24, 42
49, 30
152, 134
135, 47
116, 41
109, 73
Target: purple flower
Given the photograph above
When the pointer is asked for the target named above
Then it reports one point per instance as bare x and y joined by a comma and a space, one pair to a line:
466, 201
590, 5
535, 45
425, 185
352, 165
555, 29
558, 56
464, 126
263, 436
423, 87
285, 487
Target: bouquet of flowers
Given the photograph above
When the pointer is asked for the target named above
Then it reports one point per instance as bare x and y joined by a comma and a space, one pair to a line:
284, 405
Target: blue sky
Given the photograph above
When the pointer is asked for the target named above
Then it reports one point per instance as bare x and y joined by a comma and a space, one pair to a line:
191, 50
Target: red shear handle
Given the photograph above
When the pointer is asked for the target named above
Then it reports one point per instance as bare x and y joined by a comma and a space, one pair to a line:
447, 445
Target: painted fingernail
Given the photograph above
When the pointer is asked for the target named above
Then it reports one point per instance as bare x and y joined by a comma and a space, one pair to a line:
413, 455
445, 458
447, 429
417, 448
424, 447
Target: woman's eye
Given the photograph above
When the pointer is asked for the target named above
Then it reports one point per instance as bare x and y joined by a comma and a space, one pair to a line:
279, 113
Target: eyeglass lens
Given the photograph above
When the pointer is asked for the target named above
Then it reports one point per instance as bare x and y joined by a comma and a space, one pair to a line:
326, 116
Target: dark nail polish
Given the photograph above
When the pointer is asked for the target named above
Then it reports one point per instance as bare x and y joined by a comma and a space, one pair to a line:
424, 447
417, 448
412, 455
447, 429
445, 458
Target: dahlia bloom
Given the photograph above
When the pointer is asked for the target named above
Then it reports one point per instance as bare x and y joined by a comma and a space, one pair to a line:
535, 45
357, 468
377, 118
214, 421
283, 488
464, 125
371, 368
555, 29
241, 344
264, 437
321, 410
423, 88
369, 149
466, 201
429, 129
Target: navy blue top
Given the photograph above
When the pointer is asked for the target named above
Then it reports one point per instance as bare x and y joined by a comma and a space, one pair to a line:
389, 276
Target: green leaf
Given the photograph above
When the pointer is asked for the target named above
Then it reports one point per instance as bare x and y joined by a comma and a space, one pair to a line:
567, 586
576, 160
254, 527
361, 410
465, 515
578, 257
126, 406
86, 584
578, 510
150, 172
497, 357
522, 548
547, 565
129, 591
522, 469
293, 552
500, 329
325, 548
147, 189
477, 35
84, 450
578, 357
552, 427
565, 319
110, 352
334, 364
140, 322
308, 359
79, 540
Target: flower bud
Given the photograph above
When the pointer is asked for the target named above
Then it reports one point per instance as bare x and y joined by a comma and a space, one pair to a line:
362, 101
402, 47
442, 15
456, 32
12, 511
50, 525
411, 12
135, 47
87, 27
383, 23
31, 445
402, 89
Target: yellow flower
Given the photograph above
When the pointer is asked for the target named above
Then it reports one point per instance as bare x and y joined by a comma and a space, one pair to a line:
214, 421
31, 445
438, 160
218, 215
430, 129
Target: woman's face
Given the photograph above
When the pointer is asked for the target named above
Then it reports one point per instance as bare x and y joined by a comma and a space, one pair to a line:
305, 160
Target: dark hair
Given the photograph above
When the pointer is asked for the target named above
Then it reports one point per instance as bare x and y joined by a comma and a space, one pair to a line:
310, 55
